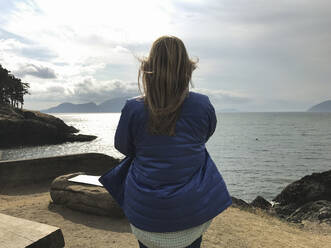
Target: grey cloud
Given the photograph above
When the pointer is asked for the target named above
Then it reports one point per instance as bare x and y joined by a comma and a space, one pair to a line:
223, 97
36, 71
99, 91
54, 94
4, 34
37, 52
278, 51
22, 47
267, 49
86, 91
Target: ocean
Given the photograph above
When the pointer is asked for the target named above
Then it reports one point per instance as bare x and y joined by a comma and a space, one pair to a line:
256, 153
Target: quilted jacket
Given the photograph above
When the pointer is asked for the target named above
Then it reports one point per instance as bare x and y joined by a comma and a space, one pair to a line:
167, 183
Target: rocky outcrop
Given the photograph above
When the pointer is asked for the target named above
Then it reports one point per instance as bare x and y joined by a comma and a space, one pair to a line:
306, 199
239, 203
316, 186
24, 127
319, 211
84, 197
260, 202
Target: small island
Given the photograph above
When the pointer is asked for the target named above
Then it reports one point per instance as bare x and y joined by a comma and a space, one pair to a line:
19, 126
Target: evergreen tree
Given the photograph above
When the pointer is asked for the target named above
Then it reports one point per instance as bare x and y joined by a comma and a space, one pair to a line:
12, 89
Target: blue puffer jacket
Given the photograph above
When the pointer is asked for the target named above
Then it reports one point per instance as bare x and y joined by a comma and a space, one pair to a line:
168, 183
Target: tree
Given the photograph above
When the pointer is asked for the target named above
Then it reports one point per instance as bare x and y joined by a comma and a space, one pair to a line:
12, 89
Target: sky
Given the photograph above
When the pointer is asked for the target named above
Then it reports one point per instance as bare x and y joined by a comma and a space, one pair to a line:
254, 55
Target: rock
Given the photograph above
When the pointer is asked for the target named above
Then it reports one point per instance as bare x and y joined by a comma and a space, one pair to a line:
314, 187
24, 127
283, 211
14, 173
80, 137
236, 202
260, 202
319, 211
83, 197
308, 198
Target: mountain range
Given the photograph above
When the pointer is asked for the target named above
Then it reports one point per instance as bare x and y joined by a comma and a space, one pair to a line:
115, 105
110, 106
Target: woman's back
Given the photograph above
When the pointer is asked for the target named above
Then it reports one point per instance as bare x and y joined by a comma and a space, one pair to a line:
155, 155
172, 178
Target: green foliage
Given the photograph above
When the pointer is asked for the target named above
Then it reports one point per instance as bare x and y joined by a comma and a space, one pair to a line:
12, 89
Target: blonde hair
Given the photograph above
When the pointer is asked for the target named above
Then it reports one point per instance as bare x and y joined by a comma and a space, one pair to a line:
166, 74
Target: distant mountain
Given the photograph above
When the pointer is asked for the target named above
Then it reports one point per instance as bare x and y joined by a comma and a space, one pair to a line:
321, 107
68, 107
110, 106
113, 105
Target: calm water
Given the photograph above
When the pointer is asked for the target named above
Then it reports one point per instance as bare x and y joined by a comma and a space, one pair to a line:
256, 153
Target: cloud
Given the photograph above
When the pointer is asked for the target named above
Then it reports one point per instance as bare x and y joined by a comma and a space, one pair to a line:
221, 97
98, 91
87, 90
36, 71
257, 54
8, 35
21, 47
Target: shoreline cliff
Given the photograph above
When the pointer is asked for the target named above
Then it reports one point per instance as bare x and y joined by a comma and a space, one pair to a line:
25, 127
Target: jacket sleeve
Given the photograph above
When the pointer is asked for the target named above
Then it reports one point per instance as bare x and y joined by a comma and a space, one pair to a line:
124, 138
212, 120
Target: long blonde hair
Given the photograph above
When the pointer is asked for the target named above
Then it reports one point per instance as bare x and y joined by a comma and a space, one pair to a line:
166, 74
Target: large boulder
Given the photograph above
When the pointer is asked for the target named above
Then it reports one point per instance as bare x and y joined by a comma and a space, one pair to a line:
314, 187
308, 198
24, 127
84, 197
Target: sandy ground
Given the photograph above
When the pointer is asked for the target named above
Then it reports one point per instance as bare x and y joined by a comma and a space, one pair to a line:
233, 228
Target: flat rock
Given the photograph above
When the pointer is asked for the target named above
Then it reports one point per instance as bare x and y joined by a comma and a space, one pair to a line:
84, 197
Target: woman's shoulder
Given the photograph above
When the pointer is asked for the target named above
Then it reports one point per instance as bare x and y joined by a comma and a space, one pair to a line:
193, 95
197, 96
195, 100
135, 100
134, 104
197, 103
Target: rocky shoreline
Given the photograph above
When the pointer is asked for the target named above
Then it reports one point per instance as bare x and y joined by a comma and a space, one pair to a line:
307, 199
24, 127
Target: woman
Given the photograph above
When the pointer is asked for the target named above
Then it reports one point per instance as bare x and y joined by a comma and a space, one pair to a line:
169, 189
